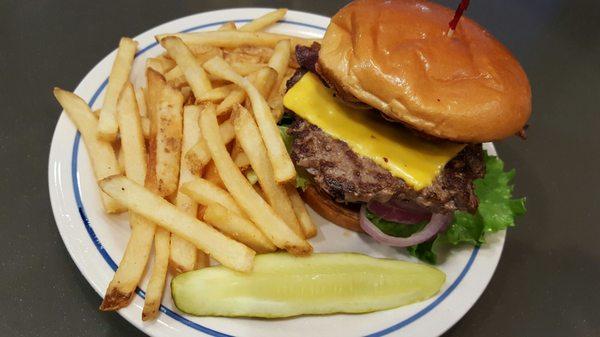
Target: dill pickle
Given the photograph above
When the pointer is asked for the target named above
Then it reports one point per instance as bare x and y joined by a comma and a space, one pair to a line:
282, 285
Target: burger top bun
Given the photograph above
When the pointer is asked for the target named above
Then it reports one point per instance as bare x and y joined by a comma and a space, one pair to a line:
396, 56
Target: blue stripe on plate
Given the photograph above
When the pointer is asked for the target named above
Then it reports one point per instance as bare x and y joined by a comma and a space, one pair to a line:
171, 313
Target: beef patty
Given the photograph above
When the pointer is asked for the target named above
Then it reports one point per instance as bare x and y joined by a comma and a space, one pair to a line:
349, 177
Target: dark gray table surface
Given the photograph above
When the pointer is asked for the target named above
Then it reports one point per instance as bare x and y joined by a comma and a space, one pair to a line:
548, 280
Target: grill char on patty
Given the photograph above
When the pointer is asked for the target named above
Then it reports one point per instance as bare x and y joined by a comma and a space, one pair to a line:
350, 178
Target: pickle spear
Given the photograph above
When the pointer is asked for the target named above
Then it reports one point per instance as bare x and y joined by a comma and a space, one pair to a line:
283, 285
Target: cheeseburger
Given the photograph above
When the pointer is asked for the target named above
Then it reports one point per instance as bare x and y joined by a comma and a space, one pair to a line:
386, 120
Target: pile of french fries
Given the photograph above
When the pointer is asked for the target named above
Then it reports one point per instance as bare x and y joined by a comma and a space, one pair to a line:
195, 156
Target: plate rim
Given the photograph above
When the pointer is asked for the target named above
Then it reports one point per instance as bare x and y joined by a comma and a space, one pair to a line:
108, 259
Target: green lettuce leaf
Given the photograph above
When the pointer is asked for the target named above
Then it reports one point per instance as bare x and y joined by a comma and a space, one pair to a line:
497, 211
302, 177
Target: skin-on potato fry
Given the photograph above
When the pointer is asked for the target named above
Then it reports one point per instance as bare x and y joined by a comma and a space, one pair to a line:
165, 135
228, 26
132, 265
206, 193
238, 228
191, 68
232, 39
156, 284
141, 200
101, 153
119, 75
280, 158
248, 136
198, 156
264, 21
308, 227
253, 205
183, 254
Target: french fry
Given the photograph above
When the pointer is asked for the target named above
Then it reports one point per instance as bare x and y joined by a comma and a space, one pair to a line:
206, 193
264, 21
165, 135
119, 75
131, 268
132, 265
155, 82
251, 203
278, 155
133, 145
183, 254
217, 94
140, 97
101, 153
281, 58
238, 57
248, 136
160, 64
120, 159
239, 157
156, 284
276, 104
146, 127
188, 95
204, 53
228, 26
233, 39
264, 80
264, 53
141, 200
198, 155
211, 174
235, 97
96, 113
176, 78
191, 68
308, 227
244, 68
238, 228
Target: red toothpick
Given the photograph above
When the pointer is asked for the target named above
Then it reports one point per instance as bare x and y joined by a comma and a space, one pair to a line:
459, 12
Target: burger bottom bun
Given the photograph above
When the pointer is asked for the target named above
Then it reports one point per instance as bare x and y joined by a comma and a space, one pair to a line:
339, 214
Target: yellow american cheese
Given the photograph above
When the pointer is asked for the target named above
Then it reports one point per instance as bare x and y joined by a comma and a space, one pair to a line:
406, 156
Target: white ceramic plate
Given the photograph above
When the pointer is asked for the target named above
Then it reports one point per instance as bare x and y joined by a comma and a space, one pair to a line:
96, 241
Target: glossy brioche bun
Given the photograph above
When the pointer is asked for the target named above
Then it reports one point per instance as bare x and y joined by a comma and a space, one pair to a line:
396, 57
335, 212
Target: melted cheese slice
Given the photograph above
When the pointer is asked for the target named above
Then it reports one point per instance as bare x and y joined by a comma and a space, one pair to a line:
406, 156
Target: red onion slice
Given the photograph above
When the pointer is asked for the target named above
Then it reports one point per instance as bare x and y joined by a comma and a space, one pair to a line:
436, 224
392, 211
